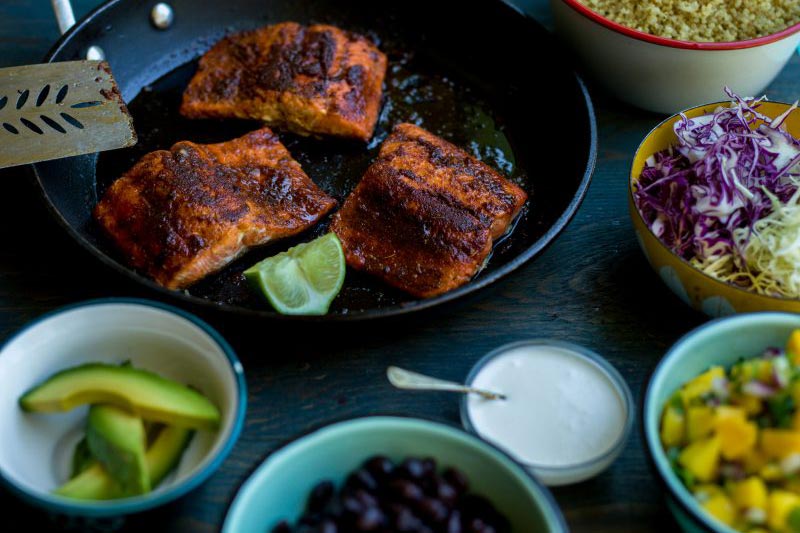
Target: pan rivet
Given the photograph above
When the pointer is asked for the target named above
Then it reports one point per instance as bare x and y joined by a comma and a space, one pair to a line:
162, 16
95, 53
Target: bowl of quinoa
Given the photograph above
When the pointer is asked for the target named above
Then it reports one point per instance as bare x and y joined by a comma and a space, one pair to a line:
668, 55
700, 21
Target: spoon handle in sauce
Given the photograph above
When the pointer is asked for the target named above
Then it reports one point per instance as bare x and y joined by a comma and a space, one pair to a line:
405, 379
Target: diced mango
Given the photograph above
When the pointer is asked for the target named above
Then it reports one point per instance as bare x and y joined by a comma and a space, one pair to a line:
699, 422
771, 472
720, 507
794, 390
793, 347
792, 485
673, 427
764, 370
780, 504
705, 491
701, 458
724, 412
701, 385
752, 405
754, 461
750, 494
737, 435
778, 443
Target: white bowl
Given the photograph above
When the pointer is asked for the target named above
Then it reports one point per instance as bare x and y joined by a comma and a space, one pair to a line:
550, 475
666, 75
36, 449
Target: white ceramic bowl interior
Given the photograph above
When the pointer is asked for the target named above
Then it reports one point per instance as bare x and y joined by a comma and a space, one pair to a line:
36, 449
664, 78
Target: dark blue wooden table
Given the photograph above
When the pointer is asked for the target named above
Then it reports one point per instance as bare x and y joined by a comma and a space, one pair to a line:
592, 287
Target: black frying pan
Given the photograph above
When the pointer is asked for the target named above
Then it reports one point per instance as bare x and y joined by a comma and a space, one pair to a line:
482, 75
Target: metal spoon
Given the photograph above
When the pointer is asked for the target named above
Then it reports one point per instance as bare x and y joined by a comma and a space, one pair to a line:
405, 379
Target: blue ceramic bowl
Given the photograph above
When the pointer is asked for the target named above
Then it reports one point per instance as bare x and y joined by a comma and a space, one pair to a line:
36, 448
720, 342
278, 489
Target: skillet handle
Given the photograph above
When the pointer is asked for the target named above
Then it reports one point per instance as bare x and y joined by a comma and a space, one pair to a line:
64, 15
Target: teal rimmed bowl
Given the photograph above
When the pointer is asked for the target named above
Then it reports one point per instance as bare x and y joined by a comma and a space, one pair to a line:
719, 342
36, 448
278, 489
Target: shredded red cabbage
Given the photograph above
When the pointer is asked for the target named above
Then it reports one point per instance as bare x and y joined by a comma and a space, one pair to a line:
714, 181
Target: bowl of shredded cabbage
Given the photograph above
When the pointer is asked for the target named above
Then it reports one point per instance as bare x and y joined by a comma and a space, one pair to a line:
715, 201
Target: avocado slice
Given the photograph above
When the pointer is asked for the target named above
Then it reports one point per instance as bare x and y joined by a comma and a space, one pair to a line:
117, 439
82, 457
166, 451
94, 483
139, 391
161, 458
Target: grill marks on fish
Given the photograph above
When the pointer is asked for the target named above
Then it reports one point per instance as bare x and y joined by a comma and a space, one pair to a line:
425, 214
312, 80
182, 214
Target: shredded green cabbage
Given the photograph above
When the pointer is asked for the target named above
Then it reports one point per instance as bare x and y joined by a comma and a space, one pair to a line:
772, 252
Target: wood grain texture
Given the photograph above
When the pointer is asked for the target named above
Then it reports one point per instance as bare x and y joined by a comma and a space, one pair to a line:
592, 287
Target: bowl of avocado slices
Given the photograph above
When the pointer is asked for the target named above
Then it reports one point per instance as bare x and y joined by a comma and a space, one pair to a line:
115, 406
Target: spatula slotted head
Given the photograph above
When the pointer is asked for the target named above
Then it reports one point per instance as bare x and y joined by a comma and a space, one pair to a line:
59, 110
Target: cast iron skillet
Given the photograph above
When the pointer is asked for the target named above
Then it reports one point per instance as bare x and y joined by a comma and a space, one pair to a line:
482, 75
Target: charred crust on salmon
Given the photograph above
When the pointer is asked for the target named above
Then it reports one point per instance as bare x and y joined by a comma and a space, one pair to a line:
178, 215
425, 214
312, 80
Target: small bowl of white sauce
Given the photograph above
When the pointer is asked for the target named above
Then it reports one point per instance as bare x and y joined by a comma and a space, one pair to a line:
567, 412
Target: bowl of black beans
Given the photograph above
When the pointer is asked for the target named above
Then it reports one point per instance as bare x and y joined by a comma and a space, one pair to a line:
392, 474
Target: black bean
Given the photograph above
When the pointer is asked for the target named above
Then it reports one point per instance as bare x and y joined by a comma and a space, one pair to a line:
371, 519
320, 496
433, 510
328, 526
446, 493
282, 527
362, 479
477, 525
366, 499
352, 505
428, 466
456, 479
405, 490
412, 468
405, 520
454, 522
379, 466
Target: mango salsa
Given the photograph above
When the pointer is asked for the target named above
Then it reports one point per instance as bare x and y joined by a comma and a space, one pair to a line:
733, 437
750, 494
700, 422
673, 427
701, 458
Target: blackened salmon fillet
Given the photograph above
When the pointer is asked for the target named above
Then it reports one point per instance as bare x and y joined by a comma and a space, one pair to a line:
312, 80
425, 214
182, 214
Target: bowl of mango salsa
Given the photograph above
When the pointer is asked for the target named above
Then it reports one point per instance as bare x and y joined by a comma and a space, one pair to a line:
722, 425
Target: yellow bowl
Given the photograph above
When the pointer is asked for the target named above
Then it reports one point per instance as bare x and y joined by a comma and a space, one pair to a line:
702, 292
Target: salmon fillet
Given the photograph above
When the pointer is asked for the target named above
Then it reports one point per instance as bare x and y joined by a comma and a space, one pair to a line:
312, 80
425, 214
182, 214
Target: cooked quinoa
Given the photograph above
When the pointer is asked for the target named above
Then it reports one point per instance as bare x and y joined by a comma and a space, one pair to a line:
701, 20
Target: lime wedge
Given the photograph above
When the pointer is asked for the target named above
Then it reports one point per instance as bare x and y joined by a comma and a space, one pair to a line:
303, 280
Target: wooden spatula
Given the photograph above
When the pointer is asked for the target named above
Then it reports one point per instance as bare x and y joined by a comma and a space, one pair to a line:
59, 110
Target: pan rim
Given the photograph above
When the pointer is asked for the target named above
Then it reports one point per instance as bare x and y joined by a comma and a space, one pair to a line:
402, 309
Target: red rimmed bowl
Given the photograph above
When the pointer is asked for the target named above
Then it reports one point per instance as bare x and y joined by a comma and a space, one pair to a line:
666, 75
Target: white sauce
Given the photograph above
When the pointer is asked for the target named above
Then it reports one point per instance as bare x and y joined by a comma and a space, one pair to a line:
561, 409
